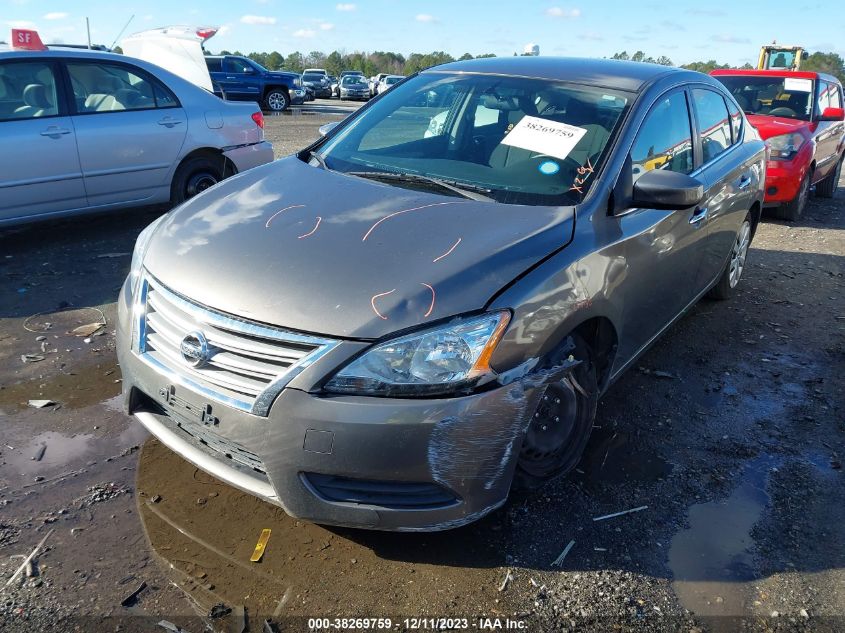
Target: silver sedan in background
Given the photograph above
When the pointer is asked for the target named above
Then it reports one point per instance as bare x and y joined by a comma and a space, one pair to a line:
388, 82
84, 131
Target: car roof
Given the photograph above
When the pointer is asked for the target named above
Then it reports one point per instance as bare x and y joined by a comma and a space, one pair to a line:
798, 74
622, 75
57, 52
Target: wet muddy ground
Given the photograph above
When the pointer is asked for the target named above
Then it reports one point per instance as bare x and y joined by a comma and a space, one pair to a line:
731, 431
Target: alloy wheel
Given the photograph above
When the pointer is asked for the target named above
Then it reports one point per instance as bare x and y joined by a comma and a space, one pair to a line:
739, 253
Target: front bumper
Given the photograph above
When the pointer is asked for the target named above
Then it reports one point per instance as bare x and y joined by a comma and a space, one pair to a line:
248, 156
466, 447
783, 177
297, 96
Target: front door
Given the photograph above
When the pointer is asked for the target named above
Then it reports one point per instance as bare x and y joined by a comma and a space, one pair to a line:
241, 81
41, 171
662, 249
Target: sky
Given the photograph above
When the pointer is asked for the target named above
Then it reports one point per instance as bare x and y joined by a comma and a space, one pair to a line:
728, 31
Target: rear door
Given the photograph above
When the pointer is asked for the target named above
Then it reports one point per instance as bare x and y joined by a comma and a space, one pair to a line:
729, 173
240, 80
130, 130
663, 252
41, 171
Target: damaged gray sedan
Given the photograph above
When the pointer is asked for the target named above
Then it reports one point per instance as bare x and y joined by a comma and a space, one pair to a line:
419, 312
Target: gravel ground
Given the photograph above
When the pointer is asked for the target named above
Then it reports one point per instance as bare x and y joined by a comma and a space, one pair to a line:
730, 431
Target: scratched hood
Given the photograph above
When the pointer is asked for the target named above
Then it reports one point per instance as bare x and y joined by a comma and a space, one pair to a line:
296, 246
770, 126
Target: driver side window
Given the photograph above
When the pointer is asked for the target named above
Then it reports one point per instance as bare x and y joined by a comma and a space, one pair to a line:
665, 138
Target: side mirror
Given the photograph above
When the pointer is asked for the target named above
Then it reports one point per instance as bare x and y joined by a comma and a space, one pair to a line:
663, 189
832, 114
328, 127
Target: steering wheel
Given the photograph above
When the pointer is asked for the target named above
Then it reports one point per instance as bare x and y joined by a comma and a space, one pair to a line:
783, 111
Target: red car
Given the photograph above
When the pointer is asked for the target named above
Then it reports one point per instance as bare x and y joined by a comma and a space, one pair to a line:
800, 116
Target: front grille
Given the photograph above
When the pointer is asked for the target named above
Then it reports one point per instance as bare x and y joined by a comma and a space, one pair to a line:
398, 495
247, 364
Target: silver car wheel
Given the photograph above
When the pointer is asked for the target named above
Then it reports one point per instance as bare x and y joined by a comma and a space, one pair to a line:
739, 253
277, 101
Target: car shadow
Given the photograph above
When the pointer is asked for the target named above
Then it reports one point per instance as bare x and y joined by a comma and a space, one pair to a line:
71, 263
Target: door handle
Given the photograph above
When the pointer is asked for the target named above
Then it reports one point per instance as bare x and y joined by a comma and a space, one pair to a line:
744, 182
698, 216
54, 131
169, 121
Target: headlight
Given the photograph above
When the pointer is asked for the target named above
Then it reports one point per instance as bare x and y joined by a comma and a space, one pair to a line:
140, 250
297, 82
437, 361
785, 146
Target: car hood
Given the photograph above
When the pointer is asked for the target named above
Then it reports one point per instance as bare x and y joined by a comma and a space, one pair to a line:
317, 251
770, 126
278, 75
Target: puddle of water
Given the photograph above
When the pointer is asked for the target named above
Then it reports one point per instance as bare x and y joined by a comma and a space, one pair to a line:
64, 451
712, 560
204, 532
82, 387
611, 459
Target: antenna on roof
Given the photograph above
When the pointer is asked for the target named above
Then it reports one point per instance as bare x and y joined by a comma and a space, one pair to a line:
88, 29
121, 31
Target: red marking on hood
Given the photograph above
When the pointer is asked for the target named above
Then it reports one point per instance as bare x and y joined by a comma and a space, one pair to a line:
373, 303
433, 297
449, 252
273, 217
314, 230
395, 213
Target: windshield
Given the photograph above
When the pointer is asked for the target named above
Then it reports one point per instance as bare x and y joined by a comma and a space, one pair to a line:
523, 141
353, 79
789, 97
313, 77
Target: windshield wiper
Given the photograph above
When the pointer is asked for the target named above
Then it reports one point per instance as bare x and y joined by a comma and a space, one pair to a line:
319, 158
473, 192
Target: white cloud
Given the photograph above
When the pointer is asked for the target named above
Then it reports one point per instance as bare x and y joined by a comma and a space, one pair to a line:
557, 12
305, 33
731, 39
326, 26
55, 15
257, 19
426, 18
21, 24
346, 6
223, 30
148, 17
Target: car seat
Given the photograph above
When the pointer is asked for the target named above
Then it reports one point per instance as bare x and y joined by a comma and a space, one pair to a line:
37, 103
584, 115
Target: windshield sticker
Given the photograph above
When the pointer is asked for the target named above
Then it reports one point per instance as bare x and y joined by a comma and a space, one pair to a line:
549, 168
791, 84
544, 136
584, 172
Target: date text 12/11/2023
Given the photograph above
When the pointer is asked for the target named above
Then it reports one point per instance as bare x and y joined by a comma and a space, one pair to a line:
417, 623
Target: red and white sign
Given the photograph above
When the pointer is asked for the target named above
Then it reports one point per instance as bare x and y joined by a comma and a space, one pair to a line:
27, 40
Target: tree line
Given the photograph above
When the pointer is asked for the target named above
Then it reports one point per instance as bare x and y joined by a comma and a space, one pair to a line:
398, 64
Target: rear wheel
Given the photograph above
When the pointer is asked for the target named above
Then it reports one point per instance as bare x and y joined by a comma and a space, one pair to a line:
277, 100
561, 425
827, 187
794, 209
724, 288
194, 176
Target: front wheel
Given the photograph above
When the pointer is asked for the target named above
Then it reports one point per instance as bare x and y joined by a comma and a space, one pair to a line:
194, 176
724, 288
277, 100
827, 187
561, 425
794, 209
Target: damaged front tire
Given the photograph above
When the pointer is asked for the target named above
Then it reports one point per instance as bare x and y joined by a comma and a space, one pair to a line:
561, 425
